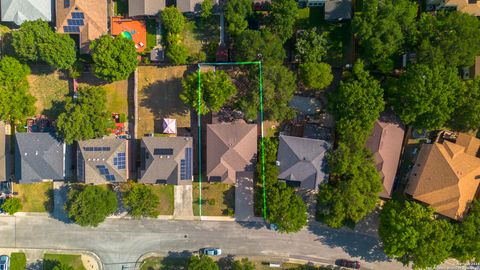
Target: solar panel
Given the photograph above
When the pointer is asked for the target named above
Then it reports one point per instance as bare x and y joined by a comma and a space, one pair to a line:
110, 177
106, 149
163, 151
78, 15
75, 22
183, 169
188, 158
80, 170
71, 29
120, 161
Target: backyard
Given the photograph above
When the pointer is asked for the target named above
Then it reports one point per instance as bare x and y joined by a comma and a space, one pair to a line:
218, 199
51, 260
165, 193
158, 96
35, 197
198, 34
49, 88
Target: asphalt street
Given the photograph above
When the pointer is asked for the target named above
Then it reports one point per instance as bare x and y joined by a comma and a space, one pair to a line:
120, 242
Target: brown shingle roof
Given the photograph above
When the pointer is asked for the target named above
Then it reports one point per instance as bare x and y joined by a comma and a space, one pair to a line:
464, 6
231, 148
385, 142
95, 21
446, 174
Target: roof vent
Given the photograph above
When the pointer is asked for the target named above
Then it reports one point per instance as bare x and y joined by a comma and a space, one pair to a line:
277, 163
26, 154
36, 153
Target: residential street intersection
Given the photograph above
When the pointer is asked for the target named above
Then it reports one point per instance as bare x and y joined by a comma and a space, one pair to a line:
120, 242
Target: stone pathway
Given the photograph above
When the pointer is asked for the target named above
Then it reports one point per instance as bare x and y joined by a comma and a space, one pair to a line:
183, 202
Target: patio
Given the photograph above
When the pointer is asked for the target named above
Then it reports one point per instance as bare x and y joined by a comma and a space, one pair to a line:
135, 30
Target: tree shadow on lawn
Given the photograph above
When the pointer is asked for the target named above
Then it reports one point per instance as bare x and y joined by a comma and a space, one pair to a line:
229, 201
175, 260
366, 247
162, 99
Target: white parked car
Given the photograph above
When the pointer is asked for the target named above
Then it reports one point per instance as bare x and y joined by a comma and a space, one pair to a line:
4, 262
211, 251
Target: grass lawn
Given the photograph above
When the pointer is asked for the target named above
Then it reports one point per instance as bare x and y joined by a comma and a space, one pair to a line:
158, 98
191, 38
36, 197
164, 263
198, 33
18, 261
270, 128
74, 261
151, 34
120, 7
165, 193
117, 92
47, 87
218, 199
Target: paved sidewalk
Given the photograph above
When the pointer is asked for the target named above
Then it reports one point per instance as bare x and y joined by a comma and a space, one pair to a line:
183, 202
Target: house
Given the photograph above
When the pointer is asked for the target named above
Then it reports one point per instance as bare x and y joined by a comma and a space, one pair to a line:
166, 160
302, 161
102, 161
446, 174
19, 11
338, 10
385, 142
86, 19
231, 151
39, 156
145, 7
190, 6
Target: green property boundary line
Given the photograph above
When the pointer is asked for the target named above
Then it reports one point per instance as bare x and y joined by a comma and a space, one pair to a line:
199, 119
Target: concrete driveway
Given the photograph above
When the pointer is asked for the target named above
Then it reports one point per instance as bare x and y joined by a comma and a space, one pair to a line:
244, 198
183, 202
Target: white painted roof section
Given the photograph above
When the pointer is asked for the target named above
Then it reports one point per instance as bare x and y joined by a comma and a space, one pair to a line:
19, 11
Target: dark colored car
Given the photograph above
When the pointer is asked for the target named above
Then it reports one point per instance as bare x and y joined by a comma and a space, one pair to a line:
211, 251
348, 263
4, 262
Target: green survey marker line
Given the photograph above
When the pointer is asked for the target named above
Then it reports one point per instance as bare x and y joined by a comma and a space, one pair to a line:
259, 63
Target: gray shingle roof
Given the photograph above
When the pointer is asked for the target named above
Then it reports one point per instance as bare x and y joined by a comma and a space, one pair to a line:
39, 156
18, 11
189, 5
338, 9
145, 7
302, 160
164, 167
102, 153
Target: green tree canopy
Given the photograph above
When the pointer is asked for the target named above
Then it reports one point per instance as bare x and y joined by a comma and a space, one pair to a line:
114, 58
177, 54
279, 85
207, 6
216, 89
465, 117
243, 264
90, 205
141, 201
410, 234
282, 18
173, 20
236, 13
285, 208
467, 239
359, 99
311, 46
86, 118
425, 97
383, 29
201, 262
251, 43
353, 178
36, 41
449, 39
16, 102
316, 75
11, 205
62, 266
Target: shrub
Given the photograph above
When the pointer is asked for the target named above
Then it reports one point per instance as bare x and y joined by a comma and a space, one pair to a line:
12, 205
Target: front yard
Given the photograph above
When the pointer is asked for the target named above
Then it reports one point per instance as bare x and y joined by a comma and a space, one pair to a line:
158, 97
166, 203
218, 199
51, 260
35, 197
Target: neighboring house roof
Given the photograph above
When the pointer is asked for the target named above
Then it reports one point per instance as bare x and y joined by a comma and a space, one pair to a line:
19, 11
446, 175
167, 160
465, 6
87, 18
189, 5
3, 154
302, 160
385, 142
39, 156
231, 149
102, 160
338, 10
145, 7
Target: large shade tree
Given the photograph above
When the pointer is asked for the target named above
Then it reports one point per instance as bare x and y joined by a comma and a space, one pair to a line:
253, 45
315, 75
467, 239
311, 46
216, 88
141, 201
285, 208
236, 14
383, 30
90, 205
465, 116
84, 118
282, 18
16, 103
410, 233
172, 19
114, 58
